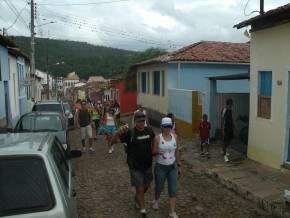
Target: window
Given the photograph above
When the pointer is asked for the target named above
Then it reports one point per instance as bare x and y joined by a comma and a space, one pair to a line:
143, 82
48, 107
60, 160
264, 94
156, 83
26, 187
149, 83
163, 83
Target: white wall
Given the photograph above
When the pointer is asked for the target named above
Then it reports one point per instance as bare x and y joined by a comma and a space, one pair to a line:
13, 87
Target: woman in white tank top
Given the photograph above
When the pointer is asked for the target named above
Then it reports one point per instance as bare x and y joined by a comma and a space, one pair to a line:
167, 165
111, 129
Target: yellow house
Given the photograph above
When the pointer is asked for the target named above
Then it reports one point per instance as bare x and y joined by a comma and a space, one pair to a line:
152, 86
270, 88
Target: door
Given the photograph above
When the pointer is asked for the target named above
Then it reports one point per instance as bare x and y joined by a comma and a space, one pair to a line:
7, 104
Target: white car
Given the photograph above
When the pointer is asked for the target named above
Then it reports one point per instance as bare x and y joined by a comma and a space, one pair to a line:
36, 177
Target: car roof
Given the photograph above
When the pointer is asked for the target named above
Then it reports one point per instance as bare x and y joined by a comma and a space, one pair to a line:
49, 102
43, 113
25, 143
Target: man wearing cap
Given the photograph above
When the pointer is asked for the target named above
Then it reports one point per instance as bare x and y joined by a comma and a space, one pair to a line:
139, 142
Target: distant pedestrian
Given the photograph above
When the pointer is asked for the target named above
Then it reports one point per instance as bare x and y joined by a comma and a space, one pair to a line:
139, 142
84, 122
227, 127
171, 116
111, 128
117, 112
96, 118
142, 109
168, 165
204, 134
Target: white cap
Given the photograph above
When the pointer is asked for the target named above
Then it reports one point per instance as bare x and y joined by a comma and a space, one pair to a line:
166, 121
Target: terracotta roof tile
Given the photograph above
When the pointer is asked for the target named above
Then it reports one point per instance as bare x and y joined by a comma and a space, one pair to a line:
206, 51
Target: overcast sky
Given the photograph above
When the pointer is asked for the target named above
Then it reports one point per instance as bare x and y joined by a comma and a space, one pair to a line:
135, 24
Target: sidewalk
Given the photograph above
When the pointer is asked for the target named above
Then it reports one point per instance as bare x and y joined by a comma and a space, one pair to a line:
262, 185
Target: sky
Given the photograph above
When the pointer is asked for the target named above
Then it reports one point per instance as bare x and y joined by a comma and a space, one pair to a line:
134, 24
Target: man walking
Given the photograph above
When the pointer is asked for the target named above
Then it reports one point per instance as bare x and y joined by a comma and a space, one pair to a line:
227, 127
84, 121
139, 142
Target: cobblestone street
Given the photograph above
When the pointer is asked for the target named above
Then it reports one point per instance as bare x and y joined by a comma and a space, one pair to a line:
103, 190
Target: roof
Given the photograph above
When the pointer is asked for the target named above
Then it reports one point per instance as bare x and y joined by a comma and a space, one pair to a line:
96, 79
17, 52
231, 77
23, 143
72, 76
268, 19
4, 41
206, 51
209, 51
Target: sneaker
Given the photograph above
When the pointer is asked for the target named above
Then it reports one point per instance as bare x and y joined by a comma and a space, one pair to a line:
227, 154
91, 150
112, 148
207, 153
110, 151
226, 158
155, 205
202, 153
143, 213
84, 149
172, 215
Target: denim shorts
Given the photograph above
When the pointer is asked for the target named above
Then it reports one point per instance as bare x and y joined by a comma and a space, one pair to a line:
141, 177
111, 129
169, 172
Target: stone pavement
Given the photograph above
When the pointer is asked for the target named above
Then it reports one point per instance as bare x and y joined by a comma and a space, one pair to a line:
103, 189
262, 185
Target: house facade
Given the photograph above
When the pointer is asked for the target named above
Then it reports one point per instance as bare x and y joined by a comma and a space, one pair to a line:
269, 141
163, 82
71, 79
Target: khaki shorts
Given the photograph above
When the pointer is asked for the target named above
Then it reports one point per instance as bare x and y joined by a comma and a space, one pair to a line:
86, 131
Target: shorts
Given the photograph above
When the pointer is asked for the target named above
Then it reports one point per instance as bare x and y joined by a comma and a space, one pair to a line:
169, 172
86, 131
111, 129
141, 177
228, 136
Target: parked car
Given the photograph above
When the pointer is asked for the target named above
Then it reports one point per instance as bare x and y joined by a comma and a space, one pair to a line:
52, 105
36, 177
56, 106
45, 121
69, 112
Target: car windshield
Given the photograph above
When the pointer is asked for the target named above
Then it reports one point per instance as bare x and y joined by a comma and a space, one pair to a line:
66, 107
40, 123
48, 107
24, 186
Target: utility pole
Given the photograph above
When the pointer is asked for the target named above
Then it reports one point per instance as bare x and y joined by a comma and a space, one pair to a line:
262, 7
32, 59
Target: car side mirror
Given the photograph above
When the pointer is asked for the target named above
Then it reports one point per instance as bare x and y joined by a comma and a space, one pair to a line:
74, 154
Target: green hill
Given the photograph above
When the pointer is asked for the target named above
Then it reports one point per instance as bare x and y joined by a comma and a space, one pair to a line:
83, 58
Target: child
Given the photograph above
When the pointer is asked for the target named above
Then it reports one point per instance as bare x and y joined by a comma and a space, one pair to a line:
204, 128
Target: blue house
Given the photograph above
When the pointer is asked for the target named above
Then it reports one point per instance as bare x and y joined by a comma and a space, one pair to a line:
5, 115
214, 71
194, 80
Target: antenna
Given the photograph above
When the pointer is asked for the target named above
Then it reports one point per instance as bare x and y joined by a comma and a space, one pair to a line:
262, 7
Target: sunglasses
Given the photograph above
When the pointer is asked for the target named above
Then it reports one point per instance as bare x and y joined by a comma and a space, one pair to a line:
166, 126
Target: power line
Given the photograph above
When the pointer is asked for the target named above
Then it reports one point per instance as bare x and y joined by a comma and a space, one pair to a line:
16, 12
84, 4
82, 23
16, 18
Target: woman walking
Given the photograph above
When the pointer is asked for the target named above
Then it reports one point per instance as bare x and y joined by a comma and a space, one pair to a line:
96, 118
168, 164
111, 129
